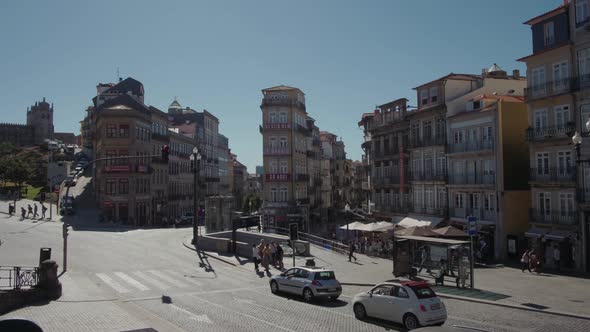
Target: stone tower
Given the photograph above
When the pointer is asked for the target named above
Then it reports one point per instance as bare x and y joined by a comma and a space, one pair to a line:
40, 117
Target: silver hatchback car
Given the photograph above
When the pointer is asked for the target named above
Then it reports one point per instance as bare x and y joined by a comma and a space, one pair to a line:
310, 282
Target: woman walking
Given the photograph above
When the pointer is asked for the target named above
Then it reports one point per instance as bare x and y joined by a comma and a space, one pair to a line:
525, 260
266, 257
280, 264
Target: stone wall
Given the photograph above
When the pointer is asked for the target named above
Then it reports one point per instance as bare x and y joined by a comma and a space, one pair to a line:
17, 134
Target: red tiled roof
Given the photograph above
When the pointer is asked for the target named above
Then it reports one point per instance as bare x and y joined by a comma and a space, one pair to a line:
454, 76
548, 14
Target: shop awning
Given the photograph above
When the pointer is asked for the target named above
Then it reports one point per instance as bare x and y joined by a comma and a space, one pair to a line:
535, 232
353, 226
419, 221
558, 235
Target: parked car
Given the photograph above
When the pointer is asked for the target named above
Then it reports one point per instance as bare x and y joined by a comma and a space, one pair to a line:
309, 282
410, 303
66, 205
70, 181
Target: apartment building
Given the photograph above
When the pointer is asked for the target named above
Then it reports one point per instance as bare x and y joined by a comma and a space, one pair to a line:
314, 155
488, 167
551, 101
159, 168
284, 133
386, 142
240, 178
180, 175
224, 160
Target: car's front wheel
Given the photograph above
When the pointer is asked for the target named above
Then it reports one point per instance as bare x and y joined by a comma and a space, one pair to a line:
274, 287
359, 311
411, 322
307, 295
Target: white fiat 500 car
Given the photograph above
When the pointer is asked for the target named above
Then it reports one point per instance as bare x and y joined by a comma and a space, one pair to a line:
410, 303
310, 282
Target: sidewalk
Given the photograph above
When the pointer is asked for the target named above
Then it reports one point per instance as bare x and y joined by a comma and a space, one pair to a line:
24, 202
500, 286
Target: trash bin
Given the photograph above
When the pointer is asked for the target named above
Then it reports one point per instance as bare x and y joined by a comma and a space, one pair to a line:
44, 254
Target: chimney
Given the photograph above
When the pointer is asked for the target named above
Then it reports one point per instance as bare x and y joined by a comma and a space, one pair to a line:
516, 72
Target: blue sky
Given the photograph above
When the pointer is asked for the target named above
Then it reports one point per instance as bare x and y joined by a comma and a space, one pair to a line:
347, 56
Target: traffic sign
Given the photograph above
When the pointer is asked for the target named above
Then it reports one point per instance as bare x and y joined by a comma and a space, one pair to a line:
472, 222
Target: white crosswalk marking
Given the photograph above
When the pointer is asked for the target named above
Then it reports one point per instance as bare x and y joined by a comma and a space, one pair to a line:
168, 279
131, 281
115, 285
184, 277
157, 283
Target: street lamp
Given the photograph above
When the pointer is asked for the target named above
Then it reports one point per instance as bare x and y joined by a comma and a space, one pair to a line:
347, 210
195, 160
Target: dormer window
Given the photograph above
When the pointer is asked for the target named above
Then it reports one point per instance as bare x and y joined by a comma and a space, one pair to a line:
549, 33
582, 12
476, 105
424, 97
434, 94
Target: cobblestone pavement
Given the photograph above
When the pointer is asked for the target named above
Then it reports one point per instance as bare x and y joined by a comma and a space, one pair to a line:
120, 279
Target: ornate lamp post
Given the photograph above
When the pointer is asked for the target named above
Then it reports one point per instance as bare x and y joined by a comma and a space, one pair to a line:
196, 161
577, 141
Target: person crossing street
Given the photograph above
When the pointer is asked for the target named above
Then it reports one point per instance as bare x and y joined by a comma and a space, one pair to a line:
351, 251
43, 211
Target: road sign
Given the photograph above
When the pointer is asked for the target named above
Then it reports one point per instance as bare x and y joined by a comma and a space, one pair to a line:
472, 226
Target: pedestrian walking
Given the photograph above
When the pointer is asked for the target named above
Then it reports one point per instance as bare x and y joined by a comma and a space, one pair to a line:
36, 209
255, 256
535, 261
440, 276
10, 209
525, 260
280, 264
424, 260
266, 257
351, 250
43, 210
30, 210
483, 249
556, 257
23, 212
273, 253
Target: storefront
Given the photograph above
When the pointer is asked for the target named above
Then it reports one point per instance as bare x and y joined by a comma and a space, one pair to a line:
544, 241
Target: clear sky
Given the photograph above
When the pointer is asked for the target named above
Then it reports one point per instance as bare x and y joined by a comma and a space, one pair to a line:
347, 56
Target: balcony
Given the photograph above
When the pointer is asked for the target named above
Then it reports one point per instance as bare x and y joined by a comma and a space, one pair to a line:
277, 151
428, 141
443, 212
462, 178
282, 102
316, 142
212, 179
550, 132
553, 217
472, 146
428, 176
312, 154
550, 88
480, 214
276, 125
277, 177
386, 154
561, 174
160, 137
303, 130
301, 177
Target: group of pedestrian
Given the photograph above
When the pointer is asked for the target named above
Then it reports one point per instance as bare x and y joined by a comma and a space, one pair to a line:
30, 210
268, 254
530, 260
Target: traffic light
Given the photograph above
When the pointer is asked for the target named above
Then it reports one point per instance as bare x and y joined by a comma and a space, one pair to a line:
165, 152
66, 227
293, 232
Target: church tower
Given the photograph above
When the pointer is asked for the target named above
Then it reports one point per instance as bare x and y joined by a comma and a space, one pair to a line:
40, 117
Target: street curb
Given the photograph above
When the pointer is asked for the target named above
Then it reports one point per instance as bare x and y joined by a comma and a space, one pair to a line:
505, 305
211, 256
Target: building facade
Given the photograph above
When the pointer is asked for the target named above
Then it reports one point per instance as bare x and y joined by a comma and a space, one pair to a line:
39, 126
224, 160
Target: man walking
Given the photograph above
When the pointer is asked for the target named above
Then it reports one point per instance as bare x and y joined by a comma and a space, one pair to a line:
525, 259
30, 210
23, 212
255, 256
43, 210
556, 257
35, 214
351, 251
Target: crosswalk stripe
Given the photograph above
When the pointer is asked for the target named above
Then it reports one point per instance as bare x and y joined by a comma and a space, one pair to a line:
157, 283
115, 285
132, 281
168, 279
184, 277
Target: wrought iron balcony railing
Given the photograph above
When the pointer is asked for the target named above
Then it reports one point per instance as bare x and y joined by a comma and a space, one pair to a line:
553, 174
472, 146
277, 151
553, 217
428, 141
428, 176
479, 213
462, 178
550, 88
550, 132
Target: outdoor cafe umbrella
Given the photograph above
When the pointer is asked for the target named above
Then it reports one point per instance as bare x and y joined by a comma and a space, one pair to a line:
418, 231
450, 231
353, 226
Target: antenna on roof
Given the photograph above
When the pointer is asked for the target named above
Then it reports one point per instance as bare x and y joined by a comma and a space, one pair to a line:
119, 75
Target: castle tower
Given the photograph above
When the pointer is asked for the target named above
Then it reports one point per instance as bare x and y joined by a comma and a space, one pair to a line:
40, 117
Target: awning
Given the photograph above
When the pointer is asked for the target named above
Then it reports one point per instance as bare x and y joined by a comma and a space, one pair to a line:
431, 239
353, 226
419, 221
479, 222
535, 232
559, 235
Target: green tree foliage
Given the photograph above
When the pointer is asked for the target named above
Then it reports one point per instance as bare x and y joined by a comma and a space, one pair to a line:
254, 200
8, 149
17, 170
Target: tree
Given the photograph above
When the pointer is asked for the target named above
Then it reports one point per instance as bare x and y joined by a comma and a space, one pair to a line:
7, 149
17, 170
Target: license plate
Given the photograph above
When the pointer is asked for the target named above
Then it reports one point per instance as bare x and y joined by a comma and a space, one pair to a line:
331, 289
435, 306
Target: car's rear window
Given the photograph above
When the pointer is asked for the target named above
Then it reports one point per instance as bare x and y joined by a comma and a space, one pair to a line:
423, 292
324, 275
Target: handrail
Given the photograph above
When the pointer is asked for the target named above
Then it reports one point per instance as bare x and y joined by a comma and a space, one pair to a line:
313, 239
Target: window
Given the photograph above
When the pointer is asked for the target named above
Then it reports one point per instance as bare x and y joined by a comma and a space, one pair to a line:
272, 117
401, 292
566, 204
441, 164
111, 187
442, 198
423, 97
538, 81
283, 141
584, 64
429, 199
564, 163
582, 12
428, 165
284, 167
544, 201
459, 200
418, 198
560, 76
123, 186
540, 119
562, 116
273, 166
549, 33
416, 132
272, 141
111, 130
542, 163
427, 130
124, 130
476, 105
283, 117
434, 94
382, 290
488, 167
283, 195
423, 291
273, 194
488, 202
458, 137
